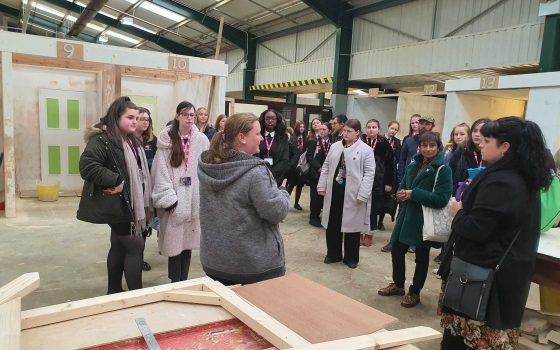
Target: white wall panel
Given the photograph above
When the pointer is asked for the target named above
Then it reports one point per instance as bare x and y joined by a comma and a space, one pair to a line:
498, 48
297, 71
285, 46
232, 59
414, 18
235, 82
453, 13
308, 40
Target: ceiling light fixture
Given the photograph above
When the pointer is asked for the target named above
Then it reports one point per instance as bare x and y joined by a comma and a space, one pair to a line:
127, 21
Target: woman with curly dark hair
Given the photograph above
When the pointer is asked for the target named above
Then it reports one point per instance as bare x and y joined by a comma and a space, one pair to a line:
274, 147
497, 218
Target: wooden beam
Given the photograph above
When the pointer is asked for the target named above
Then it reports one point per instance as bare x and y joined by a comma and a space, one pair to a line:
10, 325
273, 331
93, 306
19, 287
110, 86
42, 61
8, 122
211, 110
379, 340
193, 297
157, 74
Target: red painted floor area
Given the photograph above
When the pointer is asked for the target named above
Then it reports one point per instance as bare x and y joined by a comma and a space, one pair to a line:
225, 335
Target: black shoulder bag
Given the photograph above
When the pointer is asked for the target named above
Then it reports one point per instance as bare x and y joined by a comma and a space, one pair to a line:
468, 286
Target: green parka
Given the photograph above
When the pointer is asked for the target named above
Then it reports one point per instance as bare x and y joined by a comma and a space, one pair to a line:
410, 221
102, 165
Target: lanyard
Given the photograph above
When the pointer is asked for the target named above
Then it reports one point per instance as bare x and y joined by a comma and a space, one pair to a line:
186, 147
300, 144
370, 143
268, 145
476, 160
418, 149
134, 150
392, 143
327, 147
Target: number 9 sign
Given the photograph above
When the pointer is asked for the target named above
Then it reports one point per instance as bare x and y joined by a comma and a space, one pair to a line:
68, 50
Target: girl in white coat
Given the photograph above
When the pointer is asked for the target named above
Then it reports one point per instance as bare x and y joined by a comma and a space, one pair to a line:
175, 193
346, 181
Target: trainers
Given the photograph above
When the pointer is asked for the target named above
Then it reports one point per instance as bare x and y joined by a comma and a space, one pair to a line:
410, 300
412, 250
297, 207
390, 290
387, 248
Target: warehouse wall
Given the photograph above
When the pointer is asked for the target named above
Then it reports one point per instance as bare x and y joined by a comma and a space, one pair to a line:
364, 109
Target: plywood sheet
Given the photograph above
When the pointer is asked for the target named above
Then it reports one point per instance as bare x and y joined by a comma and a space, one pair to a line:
119, 325
225, 335
313, 311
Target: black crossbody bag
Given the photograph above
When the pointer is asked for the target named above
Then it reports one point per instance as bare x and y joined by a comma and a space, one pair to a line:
468, 286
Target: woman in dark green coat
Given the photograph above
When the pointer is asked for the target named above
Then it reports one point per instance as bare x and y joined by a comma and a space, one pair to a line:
414, 192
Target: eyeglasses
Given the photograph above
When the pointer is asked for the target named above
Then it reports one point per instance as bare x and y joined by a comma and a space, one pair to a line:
143, 119
188, 115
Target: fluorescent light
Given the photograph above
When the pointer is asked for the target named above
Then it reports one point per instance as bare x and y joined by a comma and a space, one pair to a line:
160, 11
144, 29
123, 37
359, 92
71, 18
79, 3
48, 9
108, 14
95, 27
127, 21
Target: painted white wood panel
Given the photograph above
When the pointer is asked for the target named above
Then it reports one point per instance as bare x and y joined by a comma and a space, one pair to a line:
42, 46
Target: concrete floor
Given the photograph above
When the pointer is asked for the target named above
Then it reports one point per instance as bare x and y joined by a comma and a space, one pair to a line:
70, 256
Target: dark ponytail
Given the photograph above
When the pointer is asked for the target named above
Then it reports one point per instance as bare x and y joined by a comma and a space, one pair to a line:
527, 152
177, 155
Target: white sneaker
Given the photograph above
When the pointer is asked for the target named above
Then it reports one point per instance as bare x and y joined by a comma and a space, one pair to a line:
434, 271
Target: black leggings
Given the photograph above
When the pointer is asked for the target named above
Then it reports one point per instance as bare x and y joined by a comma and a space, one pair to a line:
125, 256
178, 266
453, 342
298, 191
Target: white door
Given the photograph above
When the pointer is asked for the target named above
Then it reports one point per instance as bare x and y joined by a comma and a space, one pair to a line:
62, 116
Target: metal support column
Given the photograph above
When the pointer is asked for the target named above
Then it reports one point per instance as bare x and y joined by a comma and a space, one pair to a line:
249, 71
339, 99
550, 51
291, 98
322, 99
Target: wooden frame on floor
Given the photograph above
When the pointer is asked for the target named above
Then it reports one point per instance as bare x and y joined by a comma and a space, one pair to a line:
26, 329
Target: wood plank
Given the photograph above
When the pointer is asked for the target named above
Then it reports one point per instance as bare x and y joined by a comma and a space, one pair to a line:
119, 325
98, 305
313, 311
10, 324
19, 287
384, 340
193, 297
8, 97
273, 331
41, 61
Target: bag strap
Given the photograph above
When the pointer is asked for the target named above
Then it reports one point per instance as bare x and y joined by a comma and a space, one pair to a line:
507, 250
437, 175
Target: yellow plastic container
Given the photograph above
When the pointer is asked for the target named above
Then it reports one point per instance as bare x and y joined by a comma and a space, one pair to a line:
550, 299
48, 192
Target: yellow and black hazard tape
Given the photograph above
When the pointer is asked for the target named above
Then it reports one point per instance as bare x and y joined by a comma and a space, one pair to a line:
289, 84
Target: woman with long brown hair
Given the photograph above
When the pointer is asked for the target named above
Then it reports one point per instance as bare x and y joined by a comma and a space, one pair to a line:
175, 193
244, 246
117, 190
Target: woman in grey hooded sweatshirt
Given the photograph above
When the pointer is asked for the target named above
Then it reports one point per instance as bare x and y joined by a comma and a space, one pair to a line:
242, 207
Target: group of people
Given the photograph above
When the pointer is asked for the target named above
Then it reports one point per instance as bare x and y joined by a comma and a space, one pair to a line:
135, 181
490, 175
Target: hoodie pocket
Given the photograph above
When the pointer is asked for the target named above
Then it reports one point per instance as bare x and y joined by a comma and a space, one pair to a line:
183, 210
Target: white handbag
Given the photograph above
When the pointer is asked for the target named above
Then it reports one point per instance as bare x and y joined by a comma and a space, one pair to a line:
437, 222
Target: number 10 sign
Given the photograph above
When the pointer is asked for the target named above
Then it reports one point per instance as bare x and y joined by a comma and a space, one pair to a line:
178, 63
